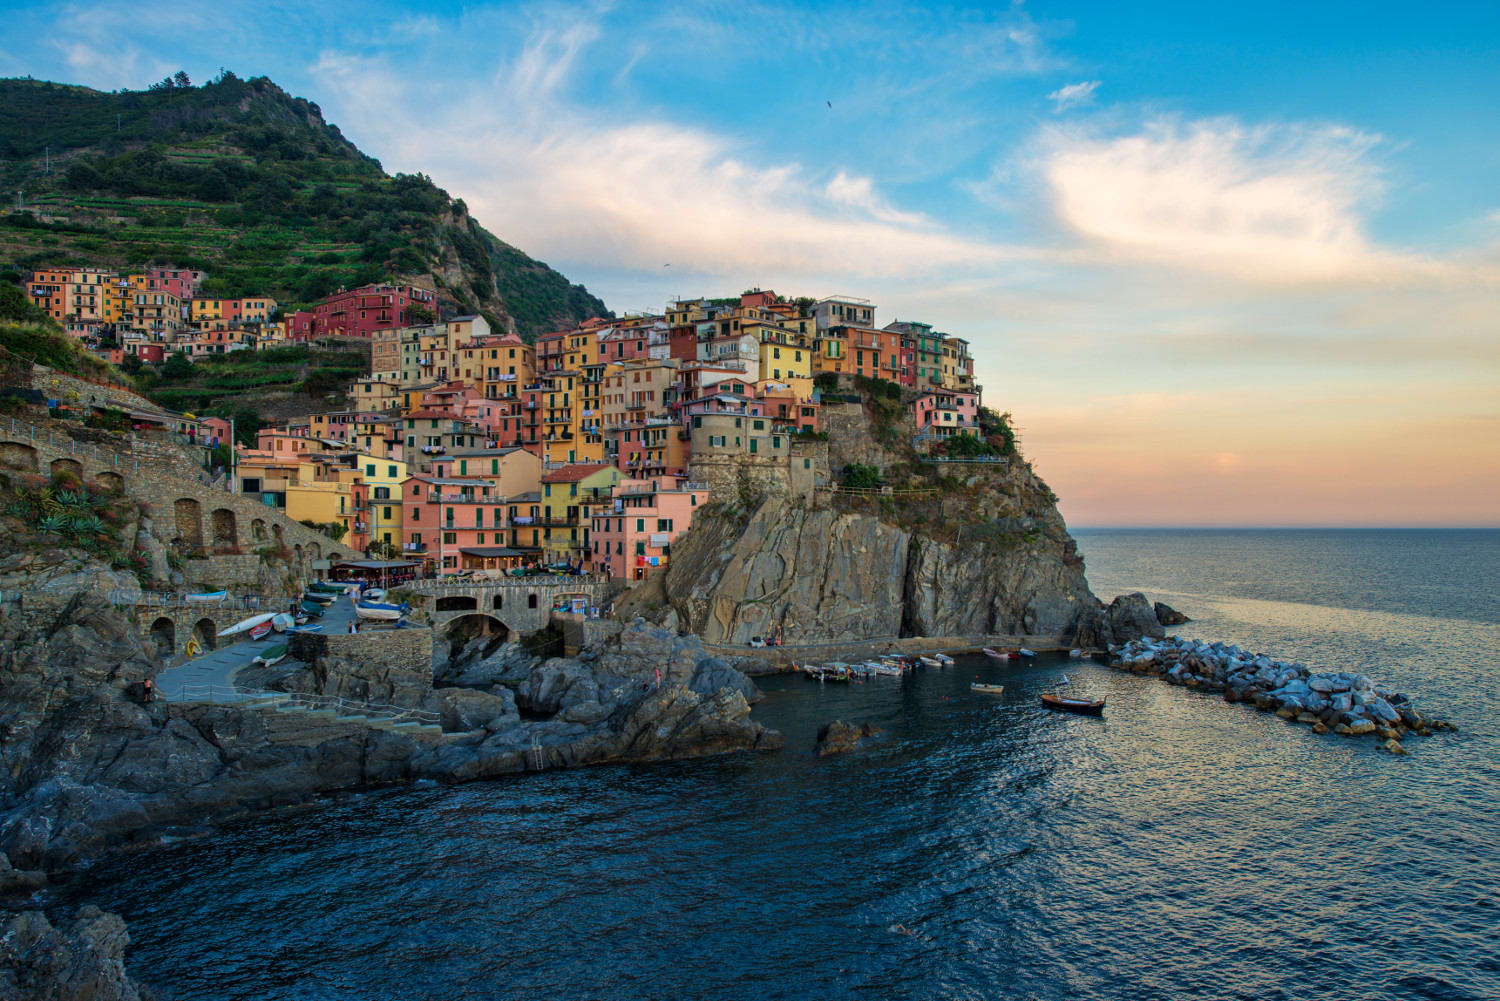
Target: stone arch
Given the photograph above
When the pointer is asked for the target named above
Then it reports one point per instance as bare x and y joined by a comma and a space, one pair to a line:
314, 550
14, 455
188, 517
206, 633
334, 557
531, 600
457, 603
111, 482
276, 532
67, 467
498, 602
257, 529
164, 632
297, 554
225, 527
477, 624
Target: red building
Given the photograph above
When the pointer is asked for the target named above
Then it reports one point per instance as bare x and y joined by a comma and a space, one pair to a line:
362, 311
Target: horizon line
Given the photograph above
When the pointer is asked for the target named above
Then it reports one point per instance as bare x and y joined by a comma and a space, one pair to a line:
1286, 528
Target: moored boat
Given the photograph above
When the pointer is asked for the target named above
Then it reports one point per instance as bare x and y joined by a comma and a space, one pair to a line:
261, 631
245, 625
206, 596
932, 662
977, 686
943, 658
318, 596
372, 594
403, 608
273, 654
1023, 652
1075, 653
378, 613
998, 654
313, 608
1082, 707
283, 621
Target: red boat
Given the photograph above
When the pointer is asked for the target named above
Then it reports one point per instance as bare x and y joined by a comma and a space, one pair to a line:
260, 631
1083, 707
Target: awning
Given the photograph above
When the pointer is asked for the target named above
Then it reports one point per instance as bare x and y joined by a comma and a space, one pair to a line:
376, 564
490, 551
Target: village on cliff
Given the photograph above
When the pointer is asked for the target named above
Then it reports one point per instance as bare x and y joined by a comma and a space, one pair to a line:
467, 451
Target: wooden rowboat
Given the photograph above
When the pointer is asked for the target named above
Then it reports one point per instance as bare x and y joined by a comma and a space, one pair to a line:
1083, 707
261, 631
997, 654
986, 689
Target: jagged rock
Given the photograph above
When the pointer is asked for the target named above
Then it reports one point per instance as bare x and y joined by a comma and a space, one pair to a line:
713, 674
1169, 616
507, 665
839, 737
1360, 727
557, 684
84, 962
1131, 615
464, 709
1394, 746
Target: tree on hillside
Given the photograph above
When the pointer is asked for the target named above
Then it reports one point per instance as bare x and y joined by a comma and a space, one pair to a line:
176, 368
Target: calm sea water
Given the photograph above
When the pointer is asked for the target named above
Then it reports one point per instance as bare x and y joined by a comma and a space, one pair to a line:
1180, 848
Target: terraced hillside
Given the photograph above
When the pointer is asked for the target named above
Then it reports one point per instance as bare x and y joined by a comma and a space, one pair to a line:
241, 179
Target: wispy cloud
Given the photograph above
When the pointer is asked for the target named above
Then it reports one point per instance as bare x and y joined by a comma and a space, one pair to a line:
1073, 95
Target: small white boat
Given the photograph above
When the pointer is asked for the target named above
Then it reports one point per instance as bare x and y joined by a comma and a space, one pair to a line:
378, 614
1075, 653
943, 659
1023, 652
372, 594
932, 662
986, 689
997, 654
206, 596
282, 622
246, 625
889, 670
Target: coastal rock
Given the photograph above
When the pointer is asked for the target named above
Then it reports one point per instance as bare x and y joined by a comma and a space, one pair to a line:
838, 737
83, 962
1166, 615
464, 709
1394, 746
1360, 727
509, 664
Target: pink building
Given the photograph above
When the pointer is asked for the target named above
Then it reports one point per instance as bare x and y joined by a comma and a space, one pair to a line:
945, 412
361, 311
632, 538
444, 516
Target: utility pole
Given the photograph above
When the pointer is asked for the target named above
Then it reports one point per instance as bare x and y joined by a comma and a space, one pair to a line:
46, 159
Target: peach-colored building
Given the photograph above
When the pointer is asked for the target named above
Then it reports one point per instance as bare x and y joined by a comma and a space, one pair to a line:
632, 537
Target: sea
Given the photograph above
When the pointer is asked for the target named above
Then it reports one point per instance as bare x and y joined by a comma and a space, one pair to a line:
1180, 847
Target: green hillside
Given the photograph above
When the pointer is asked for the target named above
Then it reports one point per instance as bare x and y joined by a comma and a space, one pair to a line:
248, 183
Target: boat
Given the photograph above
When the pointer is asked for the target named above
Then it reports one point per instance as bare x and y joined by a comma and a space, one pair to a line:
1083, 707
372, 594
978, 686
377, 613
998, 654
313, 608
273, 654
283, 621
943, 658
1075, 653
1023, 652
403, 608
318, 596
206, 596
306, 628
245, 625
836, 673
930, 662
324, 587
261, 631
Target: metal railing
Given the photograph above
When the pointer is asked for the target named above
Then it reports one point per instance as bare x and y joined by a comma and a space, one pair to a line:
441, 587
173, 599
306, 701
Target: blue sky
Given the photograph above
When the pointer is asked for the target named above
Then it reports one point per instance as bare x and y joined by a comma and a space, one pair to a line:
1228, 264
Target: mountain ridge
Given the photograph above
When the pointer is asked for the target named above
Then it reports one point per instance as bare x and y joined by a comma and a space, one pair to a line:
251, 184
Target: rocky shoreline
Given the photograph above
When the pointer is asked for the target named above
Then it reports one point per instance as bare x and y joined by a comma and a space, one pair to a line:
1350, 705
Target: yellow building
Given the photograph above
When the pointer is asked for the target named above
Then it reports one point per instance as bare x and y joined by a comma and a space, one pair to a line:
784, 354
373, 396
384, 476
571, 496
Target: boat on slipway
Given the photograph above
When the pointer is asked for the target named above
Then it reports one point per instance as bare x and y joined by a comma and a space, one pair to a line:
245, 625
206, 596
378, 613
273, 654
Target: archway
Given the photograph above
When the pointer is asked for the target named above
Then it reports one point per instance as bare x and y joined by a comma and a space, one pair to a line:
457, 603
226, 531
206, 633
297, 555
314, 550
531, 600
258, 530
334, 557
111, 482
164, 632
467, 627
67, 469
498, 602
14, 455
276, 531
188, 516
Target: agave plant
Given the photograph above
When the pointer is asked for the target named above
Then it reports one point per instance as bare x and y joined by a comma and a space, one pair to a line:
42, 501
87, 524
54, 524
73, 499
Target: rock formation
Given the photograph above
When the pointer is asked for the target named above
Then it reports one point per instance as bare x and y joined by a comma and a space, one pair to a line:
839, 737
83, 962
1169, 616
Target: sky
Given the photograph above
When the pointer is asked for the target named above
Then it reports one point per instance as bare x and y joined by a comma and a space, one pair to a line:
1226, 264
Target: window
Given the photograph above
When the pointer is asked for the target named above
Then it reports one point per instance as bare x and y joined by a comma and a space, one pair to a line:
663, 524
390, 472
640, 548
370, 469
450, 538
759, 425
640, 524
387, 515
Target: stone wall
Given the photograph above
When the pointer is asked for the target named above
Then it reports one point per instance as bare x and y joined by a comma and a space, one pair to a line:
185, 507
62, 387
795, 475
580, 632
850, 440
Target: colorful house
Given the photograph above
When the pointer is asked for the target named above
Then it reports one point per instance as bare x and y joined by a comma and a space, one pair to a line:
632, 536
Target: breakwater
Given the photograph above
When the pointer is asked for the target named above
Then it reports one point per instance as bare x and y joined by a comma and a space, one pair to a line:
1348, 704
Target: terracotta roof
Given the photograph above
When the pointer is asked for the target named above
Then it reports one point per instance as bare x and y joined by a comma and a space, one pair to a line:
572, 474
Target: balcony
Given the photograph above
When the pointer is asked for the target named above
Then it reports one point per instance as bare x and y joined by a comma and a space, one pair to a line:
437, 497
